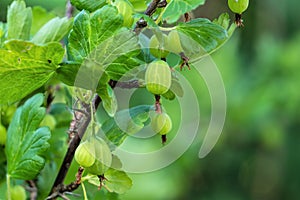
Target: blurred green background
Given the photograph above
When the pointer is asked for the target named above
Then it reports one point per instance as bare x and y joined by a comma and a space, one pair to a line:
257, 155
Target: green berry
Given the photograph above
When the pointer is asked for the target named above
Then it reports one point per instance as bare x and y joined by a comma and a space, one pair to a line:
17, 193
49, 121
238, 6
161, 124
85, 154
2, 135
158, 77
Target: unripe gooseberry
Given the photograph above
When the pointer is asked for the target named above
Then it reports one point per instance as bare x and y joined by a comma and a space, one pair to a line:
174, 44
157, 49
125, 8
85, 154
103, 157
8, 114
161, 123
17, 193
49, 121
2, 135
238, 6
158, 77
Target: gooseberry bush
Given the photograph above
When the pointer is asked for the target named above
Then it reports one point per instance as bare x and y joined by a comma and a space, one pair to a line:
58, 77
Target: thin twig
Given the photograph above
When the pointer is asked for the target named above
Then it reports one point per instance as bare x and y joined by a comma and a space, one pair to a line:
141, 23
32, 190
129, 84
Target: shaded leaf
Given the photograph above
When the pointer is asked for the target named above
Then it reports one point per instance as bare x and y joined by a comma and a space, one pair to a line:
53, 31
127, 121
40, 17
19, 19
200, 37
26, 143
25, 67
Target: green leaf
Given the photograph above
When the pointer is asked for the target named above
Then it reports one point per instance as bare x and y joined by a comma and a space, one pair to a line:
3, 32
109, 100
89, 5
26, 143
99, 43
122, 67
19, 19
40, 16
177, 8
53, 31
67, 73
116, 181
88, 32
24, 67
200, 37
224, 21
127, 121
139, 5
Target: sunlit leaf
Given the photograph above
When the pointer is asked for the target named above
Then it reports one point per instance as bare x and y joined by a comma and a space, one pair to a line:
24, 67
19, 19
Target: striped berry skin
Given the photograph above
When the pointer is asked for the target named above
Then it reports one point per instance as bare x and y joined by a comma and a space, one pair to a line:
158, 77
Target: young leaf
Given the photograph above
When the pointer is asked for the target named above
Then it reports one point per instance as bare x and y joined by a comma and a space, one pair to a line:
40, 17
53, 31
24, 67
19, 19
26, 143
177, 8
3, 31
89, 5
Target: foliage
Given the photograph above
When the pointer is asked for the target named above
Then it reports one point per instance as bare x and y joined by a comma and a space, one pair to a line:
60, 65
